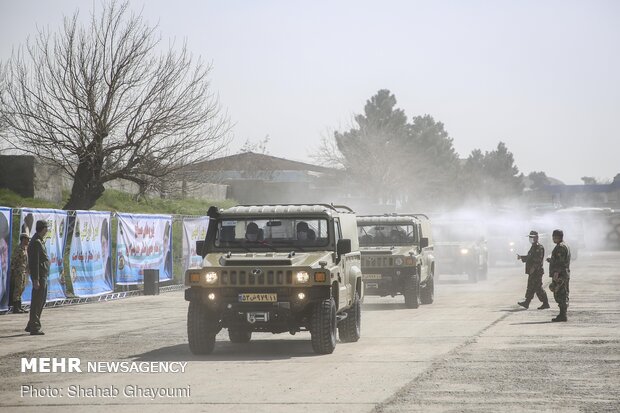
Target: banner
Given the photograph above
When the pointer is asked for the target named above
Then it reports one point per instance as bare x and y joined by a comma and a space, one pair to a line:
54, 242
5, 256
143, 242
90, 259
194, 229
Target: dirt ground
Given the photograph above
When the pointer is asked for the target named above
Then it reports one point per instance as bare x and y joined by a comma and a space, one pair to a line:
473, 350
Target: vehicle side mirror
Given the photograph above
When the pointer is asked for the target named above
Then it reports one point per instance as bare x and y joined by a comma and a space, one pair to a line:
423, 242
200, 248
343, 246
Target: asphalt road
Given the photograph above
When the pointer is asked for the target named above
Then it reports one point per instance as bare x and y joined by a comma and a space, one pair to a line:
474, 349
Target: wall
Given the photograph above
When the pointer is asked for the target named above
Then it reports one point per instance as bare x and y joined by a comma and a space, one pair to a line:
30, 177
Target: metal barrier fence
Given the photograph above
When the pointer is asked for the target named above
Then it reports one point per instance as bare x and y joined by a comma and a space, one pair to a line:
107, 297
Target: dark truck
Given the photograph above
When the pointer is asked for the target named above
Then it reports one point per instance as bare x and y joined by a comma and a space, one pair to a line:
397, 257
277, 269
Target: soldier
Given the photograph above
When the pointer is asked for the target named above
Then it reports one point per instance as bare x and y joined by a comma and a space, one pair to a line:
19, 272
559, 270
38, 262
534, 261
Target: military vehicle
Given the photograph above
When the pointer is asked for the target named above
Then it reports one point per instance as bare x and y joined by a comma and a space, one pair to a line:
397, 257
461, 248
276, 268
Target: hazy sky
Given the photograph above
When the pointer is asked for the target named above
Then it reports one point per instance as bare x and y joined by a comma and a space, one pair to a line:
542, 76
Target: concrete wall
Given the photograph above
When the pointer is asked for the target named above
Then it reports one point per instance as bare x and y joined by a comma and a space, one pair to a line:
30, 177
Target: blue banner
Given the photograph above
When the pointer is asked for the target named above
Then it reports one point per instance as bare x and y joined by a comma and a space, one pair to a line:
5, 256
194, 229
90, 258
54, 242
143, 242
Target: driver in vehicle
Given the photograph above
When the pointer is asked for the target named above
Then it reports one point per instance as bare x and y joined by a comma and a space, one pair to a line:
251, 232
396, 236
304, 232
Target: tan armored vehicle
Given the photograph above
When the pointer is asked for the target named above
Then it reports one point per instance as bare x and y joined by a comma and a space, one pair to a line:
397, 257
461, 248
276, 268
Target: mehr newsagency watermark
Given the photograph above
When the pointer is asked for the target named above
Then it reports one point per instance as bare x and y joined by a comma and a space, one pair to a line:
72, 365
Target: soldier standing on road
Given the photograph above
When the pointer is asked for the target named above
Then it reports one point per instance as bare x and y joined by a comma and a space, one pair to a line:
38, 262
19, 272
559, 270
534, 261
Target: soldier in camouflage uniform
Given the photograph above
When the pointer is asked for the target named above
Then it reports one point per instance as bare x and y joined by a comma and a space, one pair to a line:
19, 272
559, 270
534, 261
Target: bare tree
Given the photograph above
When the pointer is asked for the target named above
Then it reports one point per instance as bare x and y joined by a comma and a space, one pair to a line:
102, 102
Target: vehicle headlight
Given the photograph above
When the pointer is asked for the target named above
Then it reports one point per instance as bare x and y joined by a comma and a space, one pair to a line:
464, 251
302, 277
512, 244
211, 277
398, 261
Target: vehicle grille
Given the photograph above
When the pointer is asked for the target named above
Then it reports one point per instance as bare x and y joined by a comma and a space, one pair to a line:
265, 278
370, 262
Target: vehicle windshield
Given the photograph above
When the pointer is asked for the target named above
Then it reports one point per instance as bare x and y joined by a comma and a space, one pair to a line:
274, 234
380, 235
457, 232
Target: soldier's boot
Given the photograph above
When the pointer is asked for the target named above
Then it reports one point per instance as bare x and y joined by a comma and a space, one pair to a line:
17, 307
544, 306
561, 316
525, 304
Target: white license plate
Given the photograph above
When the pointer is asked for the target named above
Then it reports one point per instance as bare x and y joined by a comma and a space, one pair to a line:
371, 276
258, 298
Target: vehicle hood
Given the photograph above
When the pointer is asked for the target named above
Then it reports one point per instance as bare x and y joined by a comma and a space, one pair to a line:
267, 259
385, 250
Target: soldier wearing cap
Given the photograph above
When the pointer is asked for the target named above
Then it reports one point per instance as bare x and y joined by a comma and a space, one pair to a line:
559, 271
19, 272
534, 261
38, 262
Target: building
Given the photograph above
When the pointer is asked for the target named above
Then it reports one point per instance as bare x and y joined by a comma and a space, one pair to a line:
254, 178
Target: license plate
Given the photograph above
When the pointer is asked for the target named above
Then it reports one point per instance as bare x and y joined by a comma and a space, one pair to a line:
258, 298
371, 276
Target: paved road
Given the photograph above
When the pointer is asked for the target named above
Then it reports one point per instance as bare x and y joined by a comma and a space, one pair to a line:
472, 350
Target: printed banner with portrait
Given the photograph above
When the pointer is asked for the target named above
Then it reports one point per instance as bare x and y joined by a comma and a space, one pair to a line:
90, 258
5, 256
194, 229
55, 244
144, 242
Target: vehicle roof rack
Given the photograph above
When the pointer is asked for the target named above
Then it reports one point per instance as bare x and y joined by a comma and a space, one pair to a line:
394, 214
330, 206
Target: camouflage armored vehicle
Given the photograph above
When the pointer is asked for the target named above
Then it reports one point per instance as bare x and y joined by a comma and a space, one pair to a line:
397, 257
277, 269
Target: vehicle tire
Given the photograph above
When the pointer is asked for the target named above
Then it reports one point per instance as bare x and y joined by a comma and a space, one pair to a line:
202, 327
324, 326
412, 292
427, 295
239, 336
472, 276
350, 328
